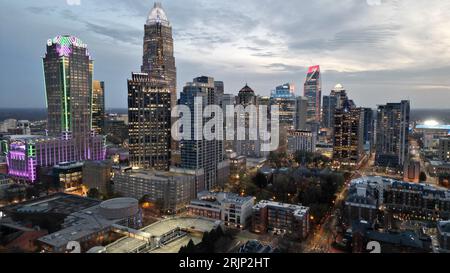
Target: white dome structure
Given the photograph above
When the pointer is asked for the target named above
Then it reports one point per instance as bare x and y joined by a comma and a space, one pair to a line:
158, 16
338, 87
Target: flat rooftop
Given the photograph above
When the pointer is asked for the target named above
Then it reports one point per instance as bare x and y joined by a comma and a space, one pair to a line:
434, 127
60, 203
143, 174
127, 245
222, 197
297, 209
82, 224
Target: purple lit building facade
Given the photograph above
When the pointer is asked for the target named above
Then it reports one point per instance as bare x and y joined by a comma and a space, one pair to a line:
27, 153
68, 70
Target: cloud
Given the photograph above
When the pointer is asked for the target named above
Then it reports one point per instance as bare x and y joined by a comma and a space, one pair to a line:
377, 48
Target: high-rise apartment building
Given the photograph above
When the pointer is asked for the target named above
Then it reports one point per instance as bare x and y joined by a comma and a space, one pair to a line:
392, 134
348, 147
444, 149
206, 157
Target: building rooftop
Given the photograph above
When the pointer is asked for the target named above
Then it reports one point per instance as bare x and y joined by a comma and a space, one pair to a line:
223, 197
155, 175
158, 229
60, 203
444, 227
80, 224
91, 220
434, 127
297, 209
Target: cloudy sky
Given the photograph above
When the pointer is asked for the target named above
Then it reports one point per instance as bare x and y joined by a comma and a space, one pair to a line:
380, 51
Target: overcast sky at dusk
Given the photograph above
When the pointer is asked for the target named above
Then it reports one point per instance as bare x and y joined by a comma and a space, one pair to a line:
381, 51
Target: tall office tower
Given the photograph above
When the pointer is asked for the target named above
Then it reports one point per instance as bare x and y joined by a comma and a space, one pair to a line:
368, 126
336, 100
301, 108
348, 146
226, 100
248, 147
98, 107
392, 134
205, 157
149, 115
328, 110
284, 97
158, 58
68, 72
313, 92
340, 94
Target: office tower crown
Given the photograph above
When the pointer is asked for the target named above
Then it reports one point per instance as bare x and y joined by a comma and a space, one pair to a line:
158, 16
65, 44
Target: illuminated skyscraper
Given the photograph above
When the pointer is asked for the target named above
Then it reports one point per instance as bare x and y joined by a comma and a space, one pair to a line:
98, 107
158, 59
392, 134
149, 118
151, 96
348, 147
313, 92
284, 97
336, 100
68, 72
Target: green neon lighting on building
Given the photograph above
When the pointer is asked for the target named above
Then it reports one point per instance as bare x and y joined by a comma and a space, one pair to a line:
66, 118
5, 147
31, 150
45, 85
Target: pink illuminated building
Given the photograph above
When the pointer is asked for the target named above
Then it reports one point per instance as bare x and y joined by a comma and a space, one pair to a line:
26, 153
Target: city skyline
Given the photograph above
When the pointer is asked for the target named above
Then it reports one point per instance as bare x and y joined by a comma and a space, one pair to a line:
377, 62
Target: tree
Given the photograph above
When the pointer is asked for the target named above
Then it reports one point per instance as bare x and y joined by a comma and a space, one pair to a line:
422, 177
93, 193
260, 180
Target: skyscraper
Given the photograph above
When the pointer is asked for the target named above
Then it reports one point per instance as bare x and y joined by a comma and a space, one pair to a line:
248, 147
149, 109
206, 157
300, 113
368, 126
336, 100
219, 87
68, 72
348, 147
284, 97
340, 94
392, 134
98, 107
158, 58
328, 110
151, 96
313, 92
